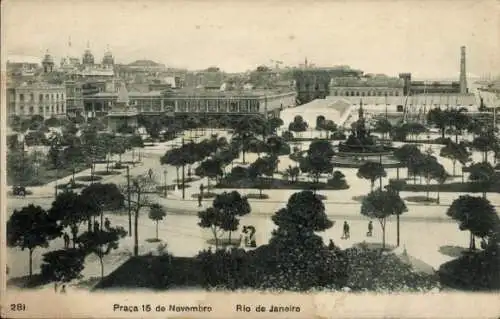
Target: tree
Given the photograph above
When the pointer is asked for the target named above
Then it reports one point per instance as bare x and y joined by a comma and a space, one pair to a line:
274, 124
396, 186
383, 126
298, 125
482, 174
262, 166
477, 215
29, 228
441, 119
231, 204
303, 215
174, 157
455, 152
156, 213
460, 120
371, 171
318, 160
428, 167
63, 265
381, 204
101, 242
140, 187
100, 197
210, 168
70, 209
486, 142
246, 128
406, 154
20, 169
293, 173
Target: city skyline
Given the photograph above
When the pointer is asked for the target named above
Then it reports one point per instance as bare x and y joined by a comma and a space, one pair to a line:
377, 37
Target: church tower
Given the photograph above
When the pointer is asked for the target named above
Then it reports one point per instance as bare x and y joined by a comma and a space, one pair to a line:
48, 63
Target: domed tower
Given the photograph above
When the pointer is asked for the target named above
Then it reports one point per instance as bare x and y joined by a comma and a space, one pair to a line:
108, 60
88, 57
48, 63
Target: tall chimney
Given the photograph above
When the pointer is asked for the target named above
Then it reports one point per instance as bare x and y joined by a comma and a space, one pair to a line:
463, 73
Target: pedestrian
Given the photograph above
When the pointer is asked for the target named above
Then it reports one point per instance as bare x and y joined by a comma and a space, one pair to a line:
96, 226
107, 223
370, 229
63, 289
346, 234
66, 240
331, 245
56, 285
199, 200
150, 173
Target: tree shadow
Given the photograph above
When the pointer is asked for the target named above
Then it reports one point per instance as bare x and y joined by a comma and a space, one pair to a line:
358, 198
373, 246
88, 283
25, 282
421, 199
452, 251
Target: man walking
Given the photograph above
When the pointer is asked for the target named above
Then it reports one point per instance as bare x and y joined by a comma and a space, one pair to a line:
346, 234
370, 229
66, 240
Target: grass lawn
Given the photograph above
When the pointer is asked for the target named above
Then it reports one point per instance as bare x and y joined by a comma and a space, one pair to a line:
46, 175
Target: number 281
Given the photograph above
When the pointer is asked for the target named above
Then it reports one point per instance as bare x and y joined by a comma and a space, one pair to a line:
17, 307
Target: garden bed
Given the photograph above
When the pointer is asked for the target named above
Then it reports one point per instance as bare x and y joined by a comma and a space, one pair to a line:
205, 195
278, 184
71, 186
421, 199
187, 179
257, 196
106, 173
456, 187
88, 178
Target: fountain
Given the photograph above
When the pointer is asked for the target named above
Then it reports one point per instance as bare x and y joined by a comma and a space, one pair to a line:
360, 147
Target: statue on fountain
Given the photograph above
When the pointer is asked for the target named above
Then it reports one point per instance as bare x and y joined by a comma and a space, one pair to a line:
359, 139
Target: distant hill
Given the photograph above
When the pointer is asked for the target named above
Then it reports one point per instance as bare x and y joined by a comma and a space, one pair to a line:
145, 63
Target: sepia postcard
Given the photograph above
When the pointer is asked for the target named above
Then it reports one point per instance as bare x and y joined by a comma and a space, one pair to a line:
250, 159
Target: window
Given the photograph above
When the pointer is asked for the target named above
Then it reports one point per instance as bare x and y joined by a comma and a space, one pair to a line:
32, 97
57, 108
254, 106
21, 97
222, 107
352, 93
212, 106
233, 107
40, 110
397, 93
40, 97
357, 93
362, 93
32, 109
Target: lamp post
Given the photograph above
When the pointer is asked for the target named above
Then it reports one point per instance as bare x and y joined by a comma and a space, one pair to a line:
129, 204
183, 174
165, 182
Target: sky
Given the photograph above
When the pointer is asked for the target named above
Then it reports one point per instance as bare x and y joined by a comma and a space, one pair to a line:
422, 37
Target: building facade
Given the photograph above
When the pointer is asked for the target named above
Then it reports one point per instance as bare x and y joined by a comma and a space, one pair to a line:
198, 103
46, 100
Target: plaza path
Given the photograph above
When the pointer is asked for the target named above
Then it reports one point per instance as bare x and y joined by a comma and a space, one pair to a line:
426, 232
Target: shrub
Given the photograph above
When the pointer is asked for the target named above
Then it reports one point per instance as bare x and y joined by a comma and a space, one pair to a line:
375, 270
231, 269
476, 271
237, 173
338, 180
